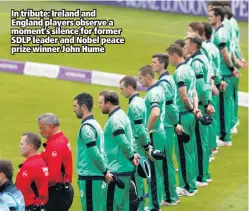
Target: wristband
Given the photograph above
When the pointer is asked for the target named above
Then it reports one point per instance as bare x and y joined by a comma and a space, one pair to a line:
105, 172
231, 68
146, 147
191, 110
131, 159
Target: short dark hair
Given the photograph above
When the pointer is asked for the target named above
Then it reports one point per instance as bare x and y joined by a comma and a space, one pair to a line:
219, 12
196, 40
162, 58
129, 81
228, 12
85, 99
197, 26
33, 138
147, 70
180, 42
208, 30
175, 49
7, 168
110, 96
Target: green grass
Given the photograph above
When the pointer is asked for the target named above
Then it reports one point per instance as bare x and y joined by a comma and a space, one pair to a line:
23, 98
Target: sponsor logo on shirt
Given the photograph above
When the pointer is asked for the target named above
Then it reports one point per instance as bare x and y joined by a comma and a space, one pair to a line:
25, 174
45, 170
54, 154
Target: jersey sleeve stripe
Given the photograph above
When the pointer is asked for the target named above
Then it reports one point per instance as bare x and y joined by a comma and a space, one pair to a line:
91, 144
181, 84
138, 121
119, 132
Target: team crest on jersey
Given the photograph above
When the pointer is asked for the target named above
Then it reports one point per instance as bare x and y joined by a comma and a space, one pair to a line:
25, 174
45, 170
103, 185
81, 193
54, 154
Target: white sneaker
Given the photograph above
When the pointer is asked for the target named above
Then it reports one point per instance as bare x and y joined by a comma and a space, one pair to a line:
234, 130
201, 184
237, 123
209, 180
184, 192
228, 144
148, 209
164, 203
214, 151
220, 143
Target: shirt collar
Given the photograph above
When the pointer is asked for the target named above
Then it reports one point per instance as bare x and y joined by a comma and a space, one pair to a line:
5, 185
151, 87
163, 74
33, 157
180, 64
87, 118
113, 111
219, 27
208, 41
54, 136
133, 96
196, 53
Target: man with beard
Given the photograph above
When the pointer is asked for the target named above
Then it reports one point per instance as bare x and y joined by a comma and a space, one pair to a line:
91, 159
58, 158
120, 148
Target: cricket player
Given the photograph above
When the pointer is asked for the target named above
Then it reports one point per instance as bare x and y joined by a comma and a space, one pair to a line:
199, 64
155, 105
187, 102
160, 63
91, 159
119, 149
137, 116
9, 194
222, 40
238, 54
212, 53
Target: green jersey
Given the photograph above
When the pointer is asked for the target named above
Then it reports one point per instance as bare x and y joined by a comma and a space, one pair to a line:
236, 39
184, 76
137, 115
222, 39
91, 159
203, 77
155, 98
167, 82
228, 28
119, 142
213, 55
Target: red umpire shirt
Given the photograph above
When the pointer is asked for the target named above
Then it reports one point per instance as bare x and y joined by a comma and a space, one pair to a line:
32, 181
58, 157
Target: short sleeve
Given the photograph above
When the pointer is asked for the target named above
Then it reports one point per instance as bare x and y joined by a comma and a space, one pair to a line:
117, 127
88, 135
154, 99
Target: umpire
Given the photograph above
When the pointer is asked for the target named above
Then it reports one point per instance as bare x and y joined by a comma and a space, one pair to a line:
58, 157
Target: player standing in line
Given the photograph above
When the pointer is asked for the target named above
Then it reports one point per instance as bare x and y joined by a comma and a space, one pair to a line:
187, 103
222, 41
238, 54
203, 87
137, 116
32, 177
160, 64
155, 105
58, 158
212, 54
9, 194
91, 159
119, 148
